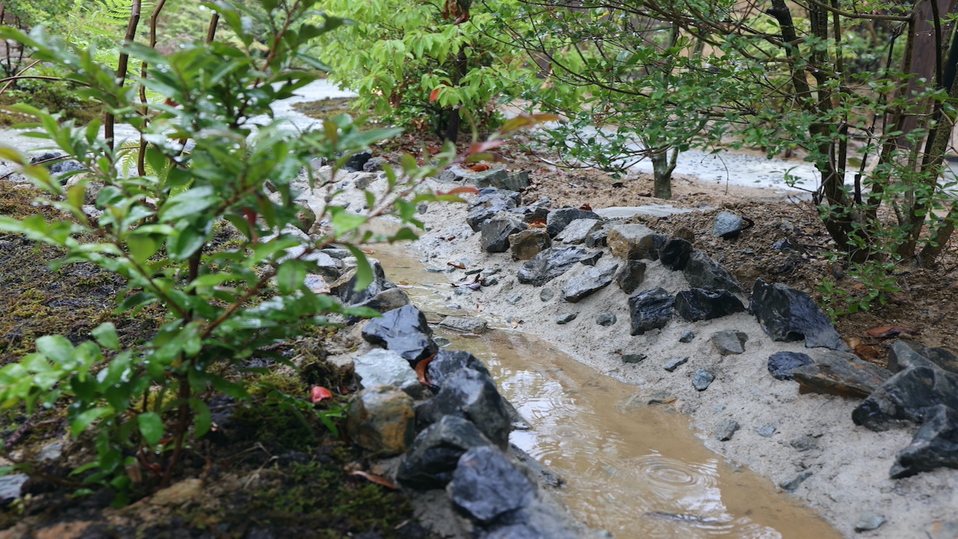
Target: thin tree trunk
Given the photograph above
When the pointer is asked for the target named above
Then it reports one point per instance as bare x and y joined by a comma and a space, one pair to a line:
663, 164
109, 119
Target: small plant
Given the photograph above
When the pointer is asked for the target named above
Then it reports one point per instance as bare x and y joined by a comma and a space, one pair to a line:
876, 282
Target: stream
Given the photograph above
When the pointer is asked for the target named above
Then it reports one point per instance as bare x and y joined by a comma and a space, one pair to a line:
630, 469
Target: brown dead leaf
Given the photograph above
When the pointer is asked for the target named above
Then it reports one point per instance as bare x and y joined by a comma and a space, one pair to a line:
379, 480
887, 332
456, 265
537, 223
421, 371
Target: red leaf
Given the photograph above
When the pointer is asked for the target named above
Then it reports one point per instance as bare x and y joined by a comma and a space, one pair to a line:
585, 207
320, 393
481, 167
887, 332
379, 480
458, 190
434, 95
421, 370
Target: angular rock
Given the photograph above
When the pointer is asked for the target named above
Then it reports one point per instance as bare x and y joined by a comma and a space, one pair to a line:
935, 445
345, 286
387, 300
471, 395
477, 216
404, 331
357, 160
559, 219
805, 443
566, 318
528, 243
605, 319
577, 231
907, 396
676, 363
781, 364
766, 431
729, 342
632, 242
869, 522
792, 484
381, 419
675, 254
588, 282
687, 336
447, 362
486, 485
633, 358
905, 354
465, 324
699, 304
726, 430
550, 264
435, 453
727, 225
494, 177
787, 314
495, 234
512, 182
591, 258
10, 487
839, 373
650, 309
598, 238
387, 368
546, 294
497, 199
630, 275
702, 379
703, 272
375, 164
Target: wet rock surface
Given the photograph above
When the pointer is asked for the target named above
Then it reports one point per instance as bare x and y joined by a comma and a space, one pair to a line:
471, 395
699, 304
404, 331
447, 362
486, 485
787, 314
651, 309
907, 396
434, 454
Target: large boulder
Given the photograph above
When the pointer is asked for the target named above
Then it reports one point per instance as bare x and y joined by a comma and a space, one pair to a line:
550, 264
650, 309
907, 395
675, 254
839, 373
633, 242
698, 304
404, 331
935, 445
703, 272
494, 234
588, 282
486, 485
787, 314
471, 395
559, 219
381, 419
904, 354
435, 453
447, 362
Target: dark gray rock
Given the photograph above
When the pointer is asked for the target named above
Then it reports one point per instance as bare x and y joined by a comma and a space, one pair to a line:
515, 299
907, 395
566, 318
633, 358
935, 445
792, 484
434, 454
357, 160
10, 487
726, 430
486, 485
687, 336
703, 272
514, 182
787, 314
526, 244
588, 282
465, 324
632, 242
591, 258
387, 368
675, 254
495, 234
345, 286
498, 199
702, 379
477, 216
559, 219
630, 275
729, 342
546, 294
839, 373
766, 431
447, 362
676, 363
804, 443
699, 304
904, 354
577, 231
605, 319
374, 165
58, 167
598, 238
403, 330
650, 309
869, 522
727, 225
781, 364
550, 264
471, 395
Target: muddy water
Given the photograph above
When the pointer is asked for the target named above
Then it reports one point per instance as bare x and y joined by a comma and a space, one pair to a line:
633, 470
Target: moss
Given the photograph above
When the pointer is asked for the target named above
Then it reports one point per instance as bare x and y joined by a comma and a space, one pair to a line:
56, 98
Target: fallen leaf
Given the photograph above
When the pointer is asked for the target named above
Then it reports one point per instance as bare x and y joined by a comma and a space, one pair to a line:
887, 332
379, 480
458, 190
585, 207
481, 167
457, 265
319, 393
421, 370
537, 223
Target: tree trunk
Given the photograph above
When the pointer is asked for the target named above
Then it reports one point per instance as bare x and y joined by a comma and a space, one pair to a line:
663, 163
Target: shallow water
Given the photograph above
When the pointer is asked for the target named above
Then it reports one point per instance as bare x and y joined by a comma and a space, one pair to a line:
631, 469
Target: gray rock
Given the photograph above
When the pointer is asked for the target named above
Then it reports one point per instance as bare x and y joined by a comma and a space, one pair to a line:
559, 219
465, 324
675, 254
513, 182
514, 299
676, 363
345, 286
702, 379
605, 319
337, 253
781, 364
787, 314
729, 342
804, 443
550, 264
447, 362
703, 272
495, 234
381, 419
632, 242
526, 244
687, 336
700, 304
363, 180
651, 309
577, 231
591, 258
630, 275
434, 454
792, 484
839, 373
546, 294
471, 395
357, 160
765, 431
869, 522
907, 395
50, 452
10, 487
374, 165
727, 225
904, 354
633, 358
387, 368
598, 238
935, 445
566, 318
387, 300
726, 430
588, 282
403, 330
942, 529
477, 216
486, 485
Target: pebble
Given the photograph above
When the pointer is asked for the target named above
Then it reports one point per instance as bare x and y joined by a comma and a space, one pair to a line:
515, 299
676, 363
869, 521
490, 272
435, 269
633, 358
792, 484
473, 271
701, 379
725, 430
491, 281
546, 294
566, 318
442, 342
687, 337
805, 443
605, 319
766, 431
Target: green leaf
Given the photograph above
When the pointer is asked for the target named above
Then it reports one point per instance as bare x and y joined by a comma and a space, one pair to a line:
364, 271
106, 335
344, 221
83, 421
57, 348
142, 247
151, 427
290, 276
203, 420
